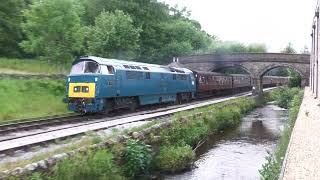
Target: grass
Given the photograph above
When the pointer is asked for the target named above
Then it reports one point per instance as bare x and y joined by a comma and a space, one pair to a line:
292, 99
31, 66
30, 98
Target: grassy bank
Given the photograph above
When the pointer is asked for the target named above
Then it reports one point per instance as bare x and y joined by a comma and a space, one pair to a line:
291, 99
31, 66
22, 98
170, 150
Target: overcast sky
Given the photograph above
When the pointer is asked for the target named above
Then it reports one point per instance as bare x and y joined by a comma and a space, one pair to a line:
273, 22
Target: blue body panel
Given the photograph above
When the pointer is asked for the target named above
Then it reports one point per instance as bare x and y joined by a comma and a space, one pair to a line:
160, 87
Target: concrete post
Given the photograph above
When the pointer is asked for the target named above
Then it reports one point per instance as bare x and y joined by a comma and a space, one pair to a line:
257, 87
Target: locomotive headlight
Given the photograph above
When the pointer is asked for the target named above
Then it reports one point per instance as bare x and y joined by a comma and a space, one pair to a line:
95, 79
85, 89
68, 79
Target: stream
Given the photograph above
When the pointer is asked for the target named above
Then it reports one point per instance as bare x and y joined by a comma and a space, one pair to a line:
239, 153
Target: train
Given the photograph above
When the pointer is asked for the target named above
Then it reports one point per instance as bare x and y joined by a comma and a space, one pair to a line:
97, 84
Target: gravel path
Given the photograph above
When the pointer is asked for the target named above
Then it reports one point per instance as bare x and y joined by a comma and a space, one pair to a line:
303, 153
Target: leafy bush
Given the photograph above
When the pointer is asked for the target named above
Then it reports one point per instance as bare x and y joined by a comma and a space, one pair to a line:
284, 96
271, 169
185, 133
94, 165
137, 158
174, 159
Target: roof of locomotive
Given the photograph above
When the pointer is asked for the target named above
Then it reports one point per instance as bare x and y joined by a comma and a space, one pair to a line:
119, 64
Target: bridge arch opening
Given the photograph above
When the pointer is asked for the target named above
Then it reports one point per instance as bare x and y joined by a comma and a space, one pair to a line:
232, 70
294, 75
278, 75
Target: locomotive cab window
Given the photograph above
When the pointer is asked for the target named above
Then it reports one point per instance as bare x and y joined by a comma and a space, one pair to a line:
85, 67
107, 69
91, 67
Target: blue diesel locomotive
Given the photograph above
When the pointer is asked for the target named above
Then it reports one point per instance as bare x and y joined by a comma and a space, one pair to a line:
99, 85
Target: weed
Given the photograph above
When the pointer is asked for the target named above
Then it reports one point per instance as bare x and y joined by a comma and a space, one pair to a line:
174, 159
137, 158
94, 165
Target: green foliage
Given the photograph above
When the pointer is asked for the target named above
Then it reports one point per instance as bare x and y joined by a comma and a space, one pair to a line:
174, 159
31, 98
227, 117
113, 35
162, 35
10, 31
94, 165
53, 29
185, 132
35, 176
284, 96
289, 49
271, 169
137, 158
295, 80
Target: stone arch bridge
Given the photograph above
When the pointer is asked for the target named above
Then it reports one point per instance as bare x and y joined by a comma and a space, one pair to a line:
256, 64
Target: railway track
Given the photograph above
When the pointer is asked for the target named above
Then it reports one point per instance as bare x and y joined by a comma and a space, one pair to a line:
11, 141
34, 123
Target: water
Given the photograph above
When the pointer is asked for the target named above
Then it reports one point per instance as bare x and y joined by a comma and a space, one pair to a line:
239, 153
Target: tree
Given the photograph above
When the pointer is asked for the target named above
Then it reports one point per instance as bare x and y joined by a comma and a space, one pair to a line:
10, 31
157, 43
289, 49
305, 50
180, 37
114, 36
257, 48
53, 29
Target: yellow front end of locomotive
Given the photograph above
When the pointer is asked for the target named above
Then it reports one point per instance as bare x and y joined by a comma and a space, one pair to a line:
82, 90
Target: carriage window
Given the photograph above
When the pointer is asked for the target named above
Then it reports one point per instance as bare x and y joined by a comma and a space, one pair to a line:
132, 67
207, 80
137, 67
145, 68
148, 75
